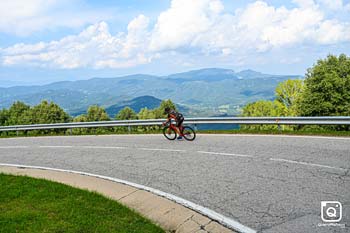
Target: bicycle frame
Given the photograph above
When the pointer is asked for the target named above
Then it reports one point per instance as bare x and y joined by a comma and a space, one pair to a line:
173, 126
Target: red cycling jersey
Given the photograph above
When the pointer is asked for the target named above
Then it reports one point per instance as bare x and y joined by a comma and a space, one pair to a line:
178, 117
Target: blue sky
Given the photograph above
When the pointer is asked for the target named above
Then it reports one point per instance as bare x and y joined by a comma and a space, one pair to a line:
43, 41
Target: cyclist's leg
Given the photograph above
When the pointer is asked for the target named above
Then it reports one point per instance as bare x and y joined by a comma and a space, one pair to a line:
178, 131
180, 125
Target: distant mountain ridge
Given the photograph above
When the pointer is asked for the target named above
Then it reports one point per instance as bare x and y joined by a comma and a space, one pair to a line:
135, 104
203, 92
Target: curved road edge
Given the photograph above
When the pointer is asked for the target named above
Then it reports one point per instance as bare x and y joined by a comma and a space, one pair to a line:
131, 199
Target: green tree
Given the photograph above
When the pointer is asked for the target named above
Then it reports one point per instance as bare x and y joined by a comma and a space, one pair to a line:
126, 114
159, 112
96, 113
146, 113
288, 93
327, 88
17, 114
80, 118
263, 108
3, 116
46, 113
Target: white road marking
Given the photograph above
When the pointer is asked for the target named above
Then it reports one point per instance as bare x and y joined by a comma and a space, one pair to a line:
219, 153
156, 149
280, 136
102, 147
175, 150
114, 135
307, 164
87, 147
228, 222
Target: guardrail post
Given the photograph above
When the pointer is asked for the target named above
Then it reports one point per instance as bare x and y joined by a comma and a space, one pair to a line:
278, 125
129, 128
17, 132
70, 131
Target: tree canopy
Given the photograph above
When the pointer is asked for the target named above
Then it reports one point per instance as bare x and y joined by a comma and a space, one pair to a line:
126, 114
21, 114
327, 88
288, 94
286, 103
46, 112
96, 113
324, 92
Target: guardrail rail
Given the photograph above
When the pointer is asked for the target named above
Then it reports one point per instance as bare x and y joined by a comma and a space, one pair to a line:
193, 121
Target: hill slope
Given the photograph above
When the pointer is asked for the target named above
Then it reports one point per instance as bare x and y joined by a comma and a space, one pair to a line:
204, 92
136, 104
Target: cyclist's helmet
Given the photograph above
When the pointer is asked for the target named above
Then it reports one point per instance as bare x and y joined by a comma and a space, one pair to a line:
166, 110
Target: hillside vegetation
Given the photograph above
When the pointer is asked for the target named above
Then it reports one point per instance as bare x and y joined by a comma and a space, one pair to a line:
324, 92
205, 92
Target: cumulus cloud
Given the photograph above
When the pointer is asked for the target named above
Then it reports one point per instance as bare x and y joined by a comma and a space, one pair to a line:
259, 26
202, 27
94, 47
24, 17
179, 25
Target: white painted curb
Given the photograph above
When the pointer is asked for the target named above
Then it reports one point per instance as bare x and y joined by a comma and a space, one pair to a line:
228, 222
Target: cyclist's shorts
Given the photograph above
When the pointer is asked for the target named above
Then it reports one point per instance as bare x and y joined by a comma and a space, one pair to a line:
179, 121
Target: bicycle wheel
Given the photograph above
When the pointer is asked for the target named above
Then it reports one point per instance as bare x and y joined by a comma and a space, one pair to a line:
169, 133
188, 133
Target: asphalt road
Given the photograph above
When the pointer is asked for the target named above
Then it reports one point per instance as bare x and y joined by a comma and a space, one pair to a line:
269, 183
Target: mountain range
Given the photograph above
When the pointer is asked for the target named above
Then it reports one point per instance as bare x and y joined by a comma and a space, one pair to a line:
202, 92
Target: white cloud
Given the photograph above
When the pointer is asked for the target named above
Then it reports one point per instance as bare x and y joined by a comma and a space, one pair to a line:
93, 47
183, 21
290, 27
259, 26
331, 32
24, 17
200, 27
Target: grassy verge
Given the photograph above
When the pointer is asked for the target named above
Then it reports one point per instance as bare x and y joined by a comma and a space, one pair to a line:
77, 132
313, 132
36, 205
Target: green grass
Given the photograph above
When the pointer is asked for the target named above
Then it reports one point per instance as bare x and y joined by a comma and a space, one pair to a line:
36, 205
309, 131
99, 131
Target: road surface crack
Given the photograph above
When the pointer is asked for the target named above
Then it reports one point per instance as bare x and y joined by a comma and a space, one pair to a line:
288, 219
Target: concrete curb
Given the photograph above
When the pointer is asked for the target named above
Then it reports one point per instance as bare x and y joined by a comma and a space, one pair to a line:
172, 213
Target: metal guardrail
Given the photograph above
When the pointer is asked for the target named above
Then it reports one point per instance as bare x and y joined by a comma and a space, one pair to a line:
194, 121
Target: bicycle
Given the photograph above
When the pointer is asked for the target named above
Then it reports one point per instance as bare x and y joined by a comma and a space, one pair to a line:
187, 132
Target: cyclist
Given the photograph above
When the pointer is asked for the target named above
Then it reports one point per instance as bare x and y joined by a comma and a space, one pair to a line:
179, 119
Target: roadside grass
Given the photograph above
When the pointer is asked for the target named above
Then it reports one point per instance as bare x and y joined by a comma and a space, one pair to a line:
37, 205
80, 131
